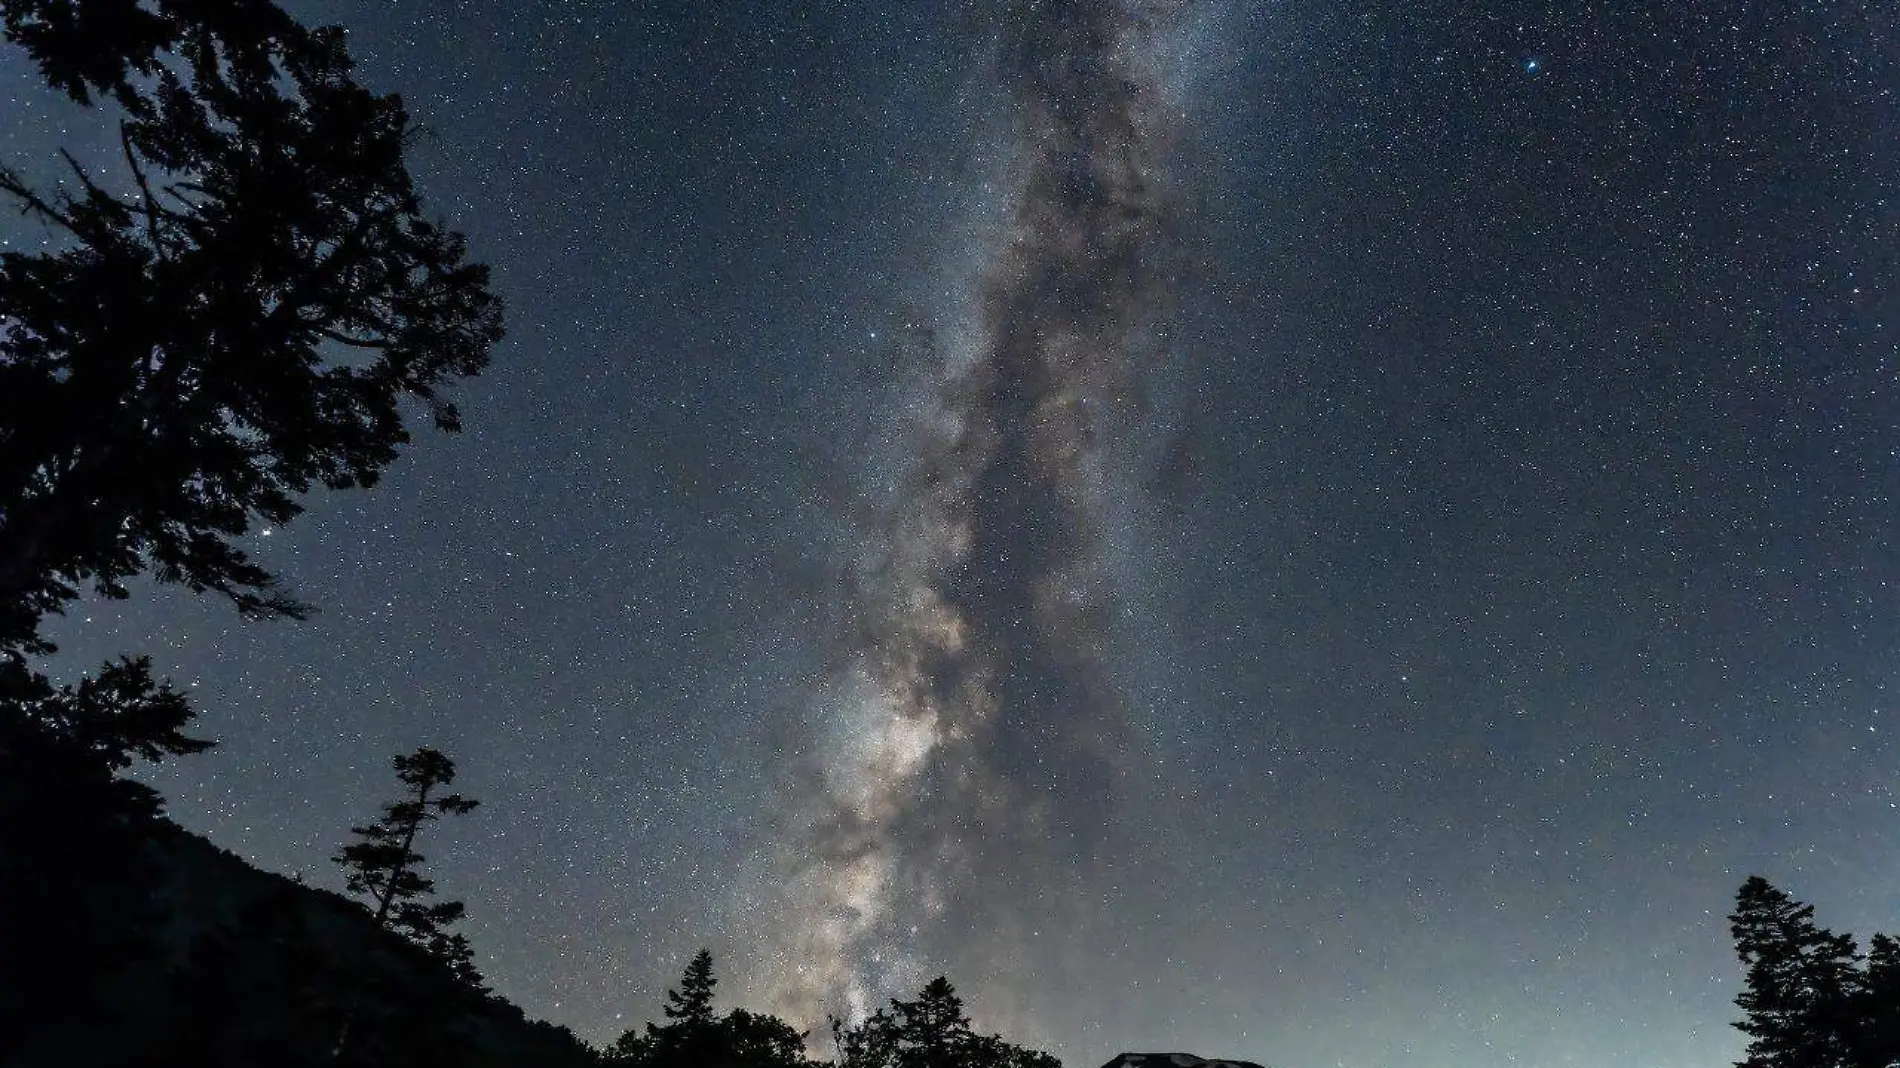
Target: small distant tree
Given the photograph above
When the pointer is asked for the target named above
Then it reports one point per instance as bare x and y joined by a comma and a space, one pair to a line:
383, 864
691, 1004
932, 1031
929, 1032
695, 1037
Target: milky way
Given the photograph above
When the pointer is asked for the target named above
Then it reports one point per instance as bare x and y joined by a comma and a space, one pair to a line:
973, 738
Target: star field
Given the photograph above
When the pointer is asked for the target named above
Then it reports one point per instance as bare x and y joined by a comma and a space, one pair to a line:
1497, 554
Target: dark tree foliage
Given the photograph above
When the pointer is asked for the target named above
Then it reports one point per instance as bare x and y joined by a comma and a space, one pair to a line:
77, 886
1878, 1018
105, 724
383, 864
1811, 1000
929, 1032
235, 319
695, 1037
691, 1004
245, 304
756, 1040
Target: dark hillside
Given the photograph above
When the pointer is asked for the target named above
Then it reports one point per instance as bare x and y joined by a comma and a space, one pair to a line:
246, 967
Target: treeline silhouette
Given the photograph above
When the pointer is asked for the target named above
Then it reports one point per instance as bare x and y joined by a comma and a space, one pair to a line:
929, 1032
245, 304
1811, 998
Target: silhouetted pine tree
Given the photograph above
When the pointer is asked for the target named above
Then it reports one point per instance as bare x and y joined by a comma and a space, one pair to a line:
384, 867
1805, 988
932, 1031
239, 320
687, 1036
695, 1037
691, 1004
929, 1032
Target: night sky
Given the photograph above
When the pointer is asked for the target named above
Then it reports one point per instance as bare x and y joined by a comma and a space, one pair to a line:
1329, 534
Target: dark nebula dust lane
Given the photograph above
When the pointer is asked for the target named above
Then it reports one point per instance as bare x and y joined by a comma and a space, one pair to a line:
982, 735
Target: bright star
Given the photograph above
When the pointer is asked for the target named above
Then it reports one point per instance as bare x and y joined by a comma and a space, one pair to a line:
1531, 65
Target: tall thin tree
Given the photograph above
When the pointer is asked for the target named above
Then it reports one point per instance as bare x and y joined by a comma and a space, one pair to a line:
383, 866
687, 1036
691, 1003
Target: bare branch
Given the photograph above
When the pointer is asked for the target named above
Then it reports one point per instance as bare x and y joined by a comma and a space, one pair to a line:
93, 189
152, 209
353, 342
32, 204
172, 190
